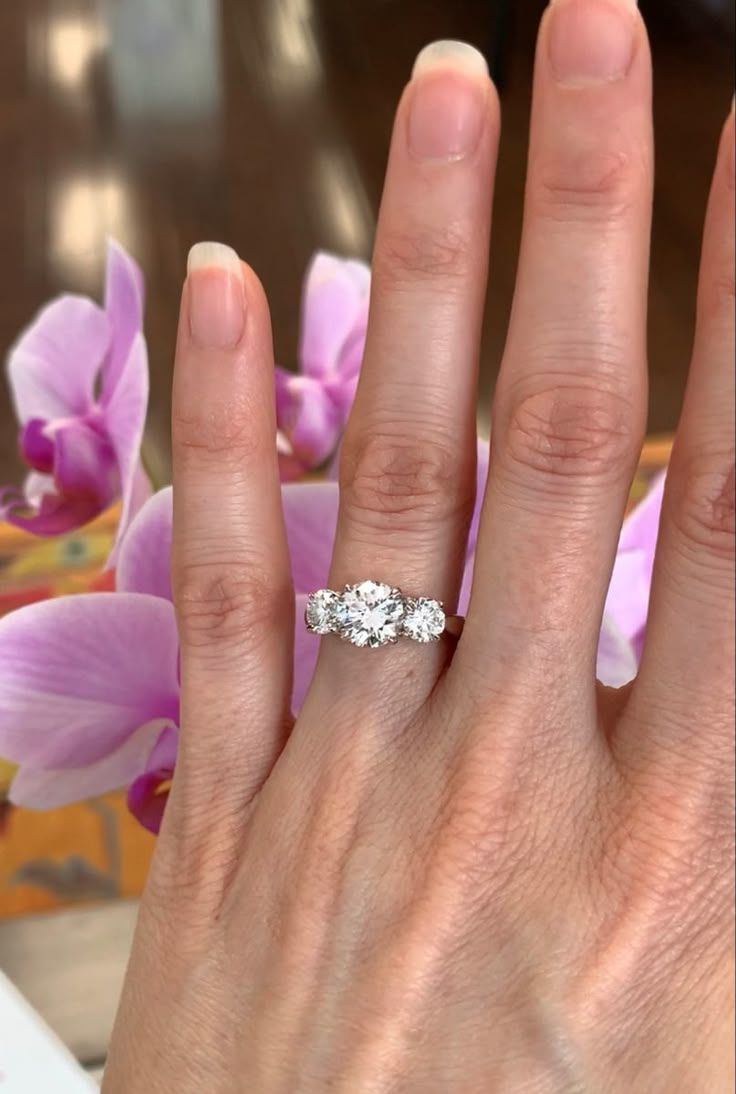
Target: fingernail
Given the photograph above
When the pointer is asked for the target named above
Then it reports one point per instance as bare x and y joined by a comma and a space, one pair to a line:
591, 41
448, 101
216, 297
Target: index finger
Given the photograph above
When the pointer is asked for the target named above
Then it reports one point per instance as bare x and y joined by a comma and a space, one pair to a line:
230, 572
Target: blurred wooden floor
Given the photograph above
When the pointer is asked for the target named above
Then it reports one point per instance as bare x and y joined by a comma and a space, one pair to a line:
265, 123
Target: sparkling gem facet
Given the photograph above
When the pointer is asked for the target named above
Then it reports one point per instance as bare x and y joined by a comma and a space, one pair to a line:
320, 615
424, 619
370, 614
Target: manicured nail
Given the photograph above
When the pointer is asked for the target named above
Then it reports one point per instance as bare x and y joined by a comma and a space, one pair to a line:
216, 297
448, 101
591, 41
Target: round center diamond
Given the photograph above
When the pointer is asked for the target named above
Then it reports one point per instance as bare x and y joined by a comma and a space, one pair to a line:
424, 619
370, 614
321, 610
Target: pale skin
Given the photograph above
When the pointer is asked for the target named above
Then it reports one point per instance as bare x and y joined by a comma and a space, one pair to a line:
464, 867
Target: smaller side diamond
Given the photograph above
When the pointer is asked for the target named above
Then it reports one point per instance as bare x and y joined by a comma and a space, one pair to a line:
424, 619
320, 615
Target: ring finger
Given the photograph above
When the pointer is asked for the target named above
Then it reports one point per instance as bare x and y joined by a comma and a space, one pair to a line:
407, 479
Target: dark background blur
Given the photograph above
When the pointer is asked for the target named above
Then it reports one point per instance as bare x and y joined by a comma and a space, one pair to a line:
265, 124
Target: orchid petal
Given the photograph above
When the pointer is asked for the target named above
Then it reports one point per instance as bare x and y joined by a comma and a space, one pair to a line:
79, 674
351, 356
125, 417
616, 661
53, 366
341, 391
146, 801
641, 527
481, 470
359, 273
463, 600
124, 298
310, 513
295, 462
627, 602
309, 418
144, 561
164, 752
141, 489
306, 649
41, 788
334, 298
343, 384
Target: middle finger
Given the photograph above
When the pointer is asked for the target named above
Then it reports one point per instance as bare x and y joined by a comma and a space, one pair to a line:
407, 479
570, 402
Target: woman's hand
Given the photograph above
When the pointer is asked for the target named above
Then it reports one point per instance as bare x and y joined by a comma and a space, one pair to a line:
464, 868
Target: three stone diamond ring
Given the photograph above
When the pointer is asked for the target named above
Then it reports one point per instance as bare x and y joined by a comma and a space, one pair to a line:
374, 614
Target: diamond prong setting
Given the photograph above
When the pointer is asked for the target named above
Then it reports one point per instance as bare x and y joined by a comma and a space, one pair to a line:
424, 619
320, 615
372, 614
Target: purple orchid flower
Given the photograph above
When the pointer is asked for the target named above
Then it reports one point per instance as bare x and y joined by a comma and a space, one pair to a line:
312, 406
79, 382
89, 685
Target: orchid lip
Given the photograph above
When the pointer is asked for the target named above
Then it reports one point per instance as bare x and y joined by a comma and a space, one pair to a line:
36, 447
